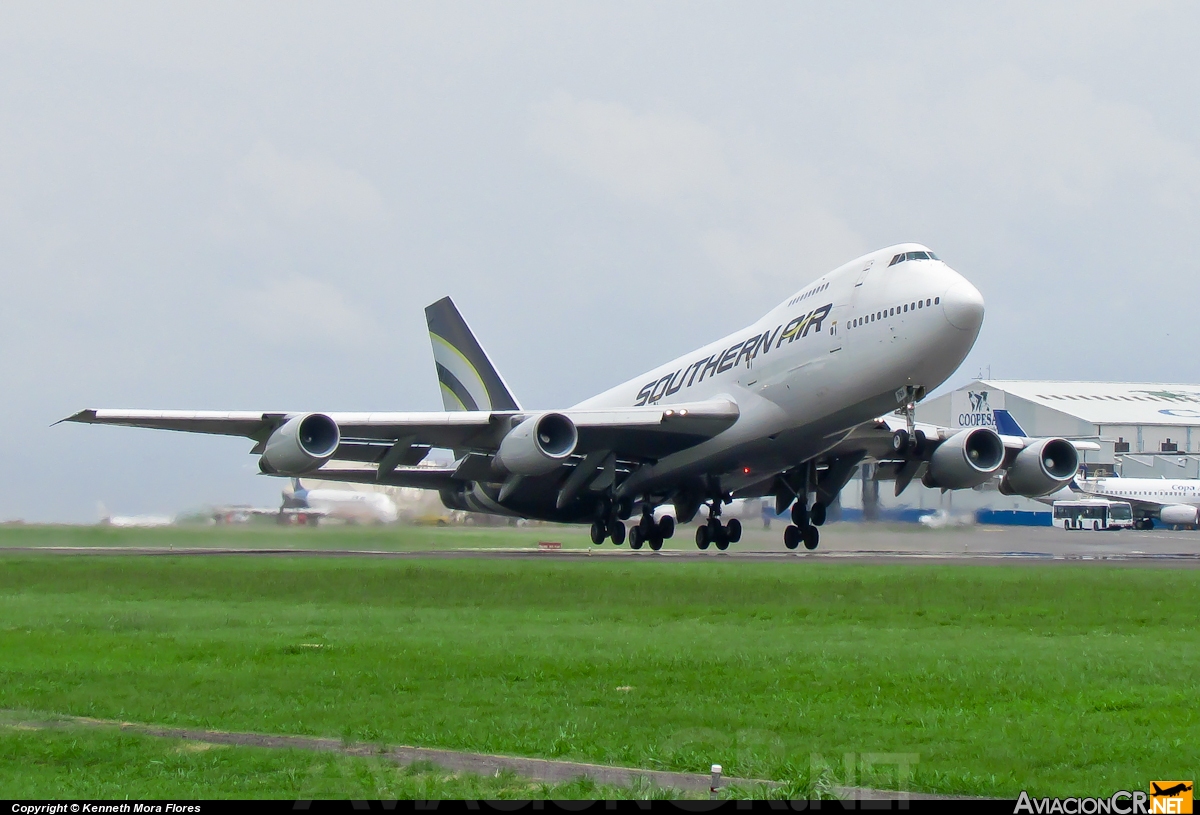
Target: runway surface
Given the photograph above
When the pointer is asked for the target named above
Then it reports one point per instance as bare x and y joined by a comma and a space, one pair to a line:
840, 543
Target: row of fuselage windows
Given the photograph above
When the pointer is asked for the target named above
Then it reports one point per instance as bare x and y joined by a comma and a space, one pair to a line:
891, 312
808, 294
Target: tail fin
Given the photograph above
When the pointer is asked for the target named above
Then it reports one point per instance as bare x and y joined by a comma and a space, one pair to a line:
1006, 425
467, 377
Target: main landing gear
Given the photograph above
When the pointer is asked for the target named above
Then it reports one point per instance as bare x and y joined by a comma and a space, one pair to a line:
610, 527
716, 533
804, 525
645, 531
649, 531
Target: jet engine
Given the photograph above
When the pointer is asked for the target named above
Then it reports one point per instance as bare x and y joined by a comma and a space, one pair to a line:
538, 445
966, 459
1041, 468
1180, 514
300, 445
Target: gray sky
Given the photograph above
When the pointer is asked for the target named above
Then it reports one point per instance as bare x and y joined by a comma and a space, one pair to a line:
248, 205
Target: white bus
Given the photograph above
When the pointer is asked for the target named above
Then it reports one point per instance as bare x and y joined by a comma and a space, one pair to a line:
1093, 513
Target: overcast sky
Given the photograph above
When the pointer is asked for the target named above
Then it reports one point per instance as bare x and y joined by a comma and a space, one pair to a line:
248, 205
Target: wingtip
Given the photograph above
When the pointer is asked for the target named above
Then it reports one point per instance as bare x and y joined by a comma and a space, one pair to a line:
86, 416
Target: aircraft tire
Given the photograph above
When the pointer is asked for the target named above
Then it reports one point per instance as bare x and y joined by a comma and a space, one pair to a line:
799, 514
702, 537
646, 524
635, 537
918, 444
817, 514
791, 537
655, 542
811, 537
666, 527
616, 531
599, 532
733, 530
900, 441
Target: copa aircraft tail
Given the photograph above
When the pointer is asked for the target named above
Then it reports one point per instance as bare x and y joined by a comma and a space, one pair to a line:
1006, 425
467, 377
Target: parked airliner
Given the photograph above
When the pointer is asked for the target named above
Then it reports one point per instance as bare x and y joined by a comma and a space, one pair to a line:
1174, 501
786, 407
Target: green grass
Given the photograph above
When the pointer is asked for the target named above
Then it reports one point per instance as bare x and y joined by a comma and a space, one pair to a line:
1060, 680
108, 764
272, 536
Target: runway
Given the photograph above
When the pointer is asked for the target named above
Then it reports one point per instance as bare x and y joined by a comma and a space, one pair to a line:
840, 543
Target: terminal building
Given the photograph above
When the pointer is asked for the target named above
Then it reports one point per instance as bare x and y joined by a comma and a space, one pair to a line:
1144, 430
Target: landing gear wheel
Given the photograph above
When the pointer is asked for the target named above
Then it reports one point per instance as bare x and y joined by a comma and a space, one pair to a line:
702, 537
799, 514
599, 532
656, 542
733, 530
791, 537
635, 537
918, 445
900, 441
624, 509
616, 531
817, 514
716, 533
811, 537
666, 527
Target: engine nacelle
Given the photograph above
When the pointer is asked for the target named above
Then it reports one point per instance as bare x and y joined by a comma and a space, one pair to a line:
1181, 514
537, 445
1041, 468
300, 445
965, 460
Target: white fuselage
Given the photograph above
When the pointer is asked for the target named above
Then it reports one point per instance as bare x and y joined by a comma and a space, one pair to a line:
357, 506
1161, 491
844, 349
139, 521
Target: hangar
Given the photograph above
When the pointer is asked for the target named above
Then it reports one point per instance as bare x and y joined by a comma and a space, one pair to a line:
1143, 429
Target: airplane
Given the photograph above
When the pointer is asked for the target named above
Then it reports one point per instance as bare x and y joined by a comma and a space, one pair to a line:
1174, 501
355, 506
1170, 792
786, 407
132, 521
311, 505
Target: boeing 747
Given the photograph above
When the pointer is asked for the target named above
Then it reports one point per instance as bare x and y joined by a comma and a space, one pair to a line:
786, 407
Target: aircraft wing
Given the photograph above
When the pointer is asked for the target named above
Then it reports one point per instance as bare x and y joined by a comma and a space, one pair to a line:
403, 439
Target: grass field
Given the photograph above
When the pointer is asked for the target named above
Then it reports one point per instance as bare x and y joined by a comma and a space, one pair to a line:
108, 764
271, 536
1059, 680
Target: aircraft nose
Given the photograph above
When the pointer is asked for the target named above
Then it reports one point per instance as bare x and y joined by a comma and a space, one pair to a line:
963, 306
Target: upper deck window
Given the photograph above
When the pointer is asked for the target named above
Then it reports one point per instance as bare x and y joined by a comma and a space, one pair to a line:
903, 256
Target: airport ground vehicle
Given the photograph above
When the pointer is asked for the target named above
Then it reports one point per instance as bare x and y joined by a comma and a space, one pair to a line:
1093, 513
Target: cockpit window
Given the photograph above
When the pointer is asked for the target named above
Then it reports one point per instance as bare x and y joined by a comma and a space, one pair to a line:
903, 256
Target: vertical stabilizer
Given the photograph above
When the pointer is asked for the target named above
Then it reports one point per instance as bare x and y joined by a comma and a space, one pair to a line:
467, 378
